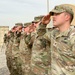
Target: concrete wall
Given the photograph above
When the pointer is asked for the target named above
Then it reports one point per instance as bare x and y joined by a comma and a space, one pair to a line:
3, 30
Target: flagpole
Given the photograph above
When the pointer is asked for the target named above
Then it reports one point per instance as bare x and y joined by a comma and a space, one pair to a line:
48, 25
47, 6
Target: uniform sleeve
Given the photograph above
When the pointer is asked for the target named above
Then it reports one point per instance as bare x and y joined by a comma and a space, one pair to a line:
73, 45
27, 39
42, 26
47, 35
71, 51
72, 40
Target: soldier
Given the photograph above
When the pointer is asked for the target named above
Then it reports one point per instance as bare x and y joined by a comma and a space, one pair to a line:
39, 58
25, 51
9, 41
6, 41
16, 62
37, 20
62, 41
35, 24
33, 27
40, 49
27, 27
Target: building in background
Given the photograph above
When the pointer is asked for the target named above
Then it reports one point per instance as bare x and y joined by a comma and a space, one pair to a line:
3, 30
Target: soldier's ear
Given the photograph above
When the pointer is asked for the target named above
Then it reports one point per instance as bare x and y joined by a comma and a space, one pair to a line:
67, 16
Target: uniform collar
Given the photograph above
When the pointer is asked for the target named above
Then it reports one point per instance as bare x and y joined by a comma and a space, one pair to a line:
65, 33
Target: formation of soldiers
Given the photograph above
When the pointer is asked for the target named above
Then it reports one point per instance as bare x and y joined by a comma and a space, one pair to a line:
33, 50
23, 45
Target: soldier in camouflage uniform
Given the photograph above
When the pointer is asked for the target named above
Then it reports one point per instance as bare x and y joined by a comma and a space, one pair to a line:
8, 52
29, 38
40, 48
25, 51
16, 62
8, 40
62, 41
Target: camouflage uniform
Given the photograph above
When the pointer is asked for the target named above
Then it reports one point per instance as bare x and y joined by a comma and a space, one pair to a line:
62, 50
29, 40
9, 43
40, 57
16, 61
25, 53
40, 48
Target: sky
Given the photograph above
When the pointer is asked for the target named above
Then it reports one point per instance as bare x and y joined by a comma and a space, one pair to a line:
23, 11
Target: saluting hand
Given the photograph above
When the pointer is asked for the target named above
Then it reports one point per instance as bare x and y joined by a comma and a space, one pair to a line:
46, 19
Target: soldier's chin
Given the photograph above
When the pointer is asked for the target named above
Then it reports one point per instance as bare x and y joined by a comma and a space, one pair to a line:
55, 25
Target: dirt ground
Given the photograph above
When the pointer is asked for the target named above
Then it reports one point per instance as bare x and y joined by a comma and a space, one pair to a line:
3, 67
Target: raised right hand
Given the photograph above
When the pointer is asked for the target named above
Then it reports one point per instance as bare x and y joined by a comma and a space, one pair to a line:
46, 19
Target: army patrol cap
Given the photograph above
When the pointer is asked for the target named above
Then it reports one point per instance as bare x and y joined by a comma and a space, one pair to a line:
27, 24
62, 8
37, 19
18, 24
